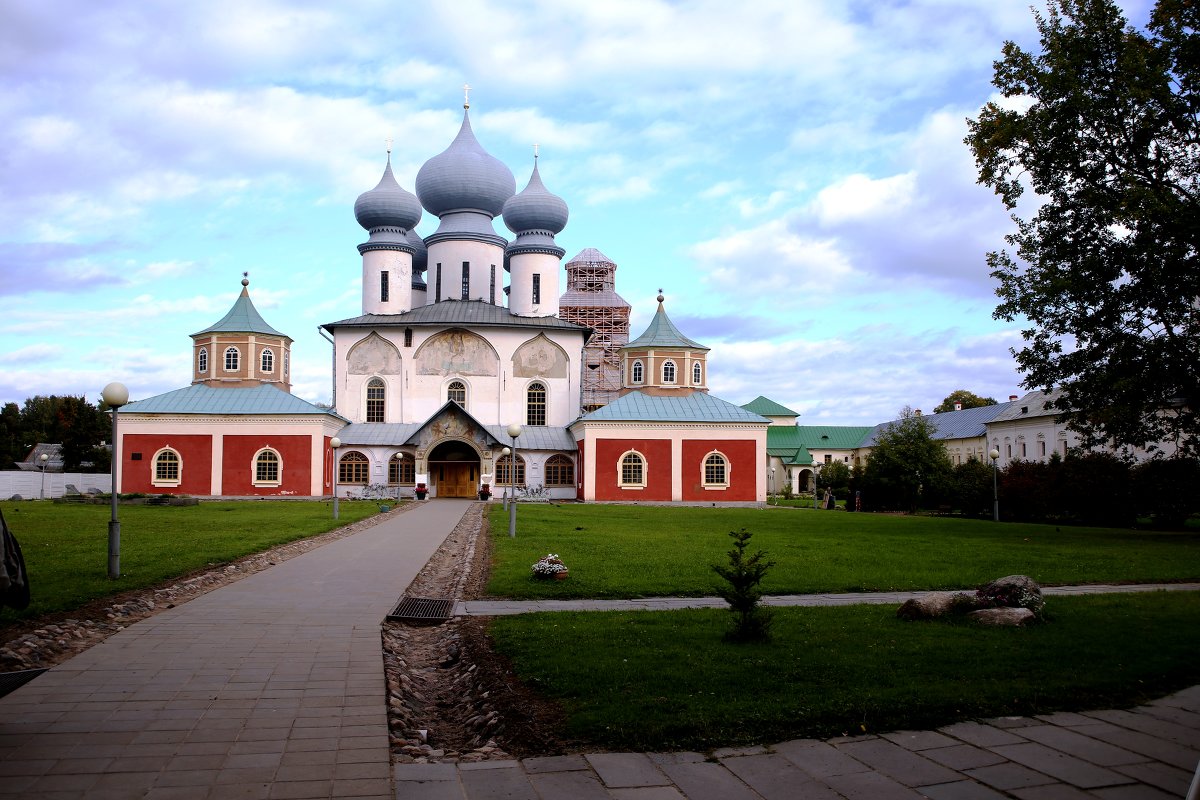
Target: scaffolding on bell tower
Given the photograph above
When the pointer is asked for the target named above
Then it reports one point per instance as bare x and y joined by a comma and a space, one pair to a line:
591, 299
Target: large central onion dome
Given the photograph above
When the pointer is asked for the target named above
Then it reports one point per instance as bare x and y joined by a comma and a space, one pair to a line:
388, 205
535, 208
464, 177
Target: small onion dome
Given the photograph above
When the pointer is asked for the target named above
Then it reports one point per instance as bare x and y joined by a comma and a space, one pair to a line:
387, 205
535, 208
464, 176
420, 259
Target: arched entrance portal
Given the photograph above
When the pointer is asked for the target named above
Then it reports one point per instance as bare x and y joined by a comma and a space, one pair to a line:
454, 470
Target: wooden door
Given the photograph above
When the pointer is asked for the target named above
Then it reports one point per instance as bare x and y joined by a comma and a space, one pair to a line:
457, 480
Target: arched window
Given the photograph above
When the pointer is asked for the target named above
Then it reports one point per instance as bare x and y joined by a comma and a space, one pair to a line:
266, 468
232, 359
633, 470
167, 468
402, 470
285, 363
456, 392
504, 471
637, 375
716, 470
202, 360
668, 372
353, 468
535, 404
375, 403
267, 362
697, 374
560, 471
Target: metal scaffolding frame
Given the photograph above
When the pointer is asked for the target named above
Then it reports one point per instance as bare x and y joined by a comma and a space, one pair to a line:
591, 299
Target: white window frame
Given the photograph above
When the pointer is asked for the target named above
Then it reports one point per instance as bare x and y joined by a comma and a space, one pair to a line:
545, 402
704, 470
674, 371
637, 372
632, 485
202, 361
367, 399
178, 479
697, 374
278, 468
266, 360
237, 359
466, 391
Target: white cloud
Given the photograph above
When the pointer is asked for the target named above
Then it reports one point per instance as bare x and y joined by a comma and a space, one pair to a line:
858, 197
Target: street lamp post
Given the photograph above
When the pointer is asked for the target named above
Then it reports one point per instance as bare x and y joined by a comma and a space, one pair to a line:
514, 431
114, 395
335, 443
995, 455
44, 459
507, 451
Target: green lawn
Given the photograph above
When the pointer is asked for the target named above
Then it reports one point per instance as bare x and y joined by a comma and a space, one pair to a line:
666, 680
66, 545
631, 551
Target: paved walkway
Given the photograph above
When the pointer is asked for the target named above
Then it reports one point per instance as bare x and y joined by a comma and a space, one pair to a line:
496, 608
270, 687
273, 687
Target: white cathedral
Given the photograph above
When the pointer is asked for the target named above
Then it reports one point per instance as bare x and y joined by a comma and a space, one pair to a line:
462, 334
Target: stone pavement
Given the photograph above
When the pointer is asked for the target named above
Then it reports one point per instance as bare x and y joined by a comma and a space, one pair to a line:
495, 608
1147, 753
270, 687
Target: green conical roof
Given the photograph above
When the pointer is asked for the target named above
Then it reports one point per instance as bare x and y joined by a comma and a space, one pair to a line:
242, 318
766, 407
662, 333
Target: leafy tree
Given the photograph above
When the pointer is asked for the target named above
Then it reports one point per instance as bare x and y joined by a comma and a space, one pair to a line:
906, 465
72, 422
1168, 490
968, 400
1103, 125
834, 476
972, 482
12, 446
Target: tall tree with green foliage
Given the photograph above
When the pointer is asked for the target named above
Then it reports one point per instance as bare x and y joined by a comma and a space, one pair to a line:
906, 466
1103, 124
966, 398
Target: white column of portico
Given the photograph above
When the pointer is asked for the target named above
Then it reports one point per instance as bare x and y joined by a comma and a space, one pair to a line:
676, 467
218, 461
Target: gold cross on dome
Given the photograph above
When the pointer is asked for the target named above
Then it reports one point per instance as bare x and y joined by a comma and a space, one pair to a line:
388, 141
535, 150
466, 95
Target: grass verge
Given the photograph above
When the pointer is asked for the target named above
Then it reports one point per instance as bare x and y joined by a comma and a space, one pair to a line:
665, 680
632, 551
66, 546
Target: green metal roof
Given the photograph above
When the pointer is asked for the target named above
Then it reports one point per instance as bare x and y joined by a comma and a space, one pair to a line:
768, 408
695, 407
242, 318
832, 437
663, 333
201, 399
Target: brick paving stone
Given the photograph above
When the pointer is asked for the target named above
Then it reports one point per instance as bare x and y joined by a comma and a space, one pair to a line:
1067, 719
918, 740
647, 793
981, 735
1144, 744
1068, 769
507, 783
707, 781
1008, 776
870, 786
963, 756
554, 764
1172, 780
1052, 791
819, 759
622, 770
729, 752
1145, 723
1077, 743
676, 758
776, 778
961, 790
896, 762
568, 786
430, 790
1134, 792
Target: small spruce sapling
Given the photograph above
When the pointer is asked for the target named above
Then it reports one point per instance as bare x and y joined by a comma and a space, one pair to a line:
752, 622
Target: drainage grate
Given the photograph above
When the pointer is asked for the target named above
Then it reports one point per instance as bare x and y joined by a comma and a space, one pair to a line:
422, 610
11, 681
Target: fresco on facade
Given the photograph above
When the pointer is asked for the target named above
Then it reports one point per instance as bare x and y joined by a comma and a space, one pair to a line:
373, 355
540, 358
457, 353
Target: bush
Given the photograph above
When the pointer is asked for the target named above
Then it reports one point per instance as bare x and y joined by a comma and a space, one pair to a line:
752, 622
1167, 490
972, 488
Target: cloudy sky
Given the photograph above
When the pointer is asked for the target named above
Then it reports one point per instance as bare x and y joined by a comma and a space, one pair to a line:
791, 173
